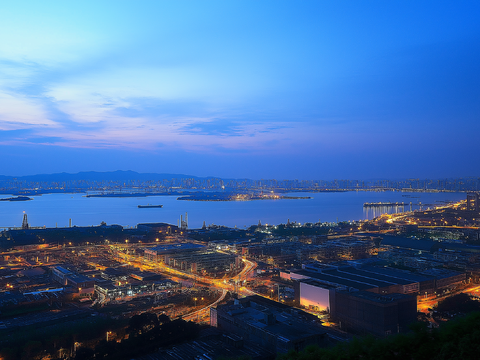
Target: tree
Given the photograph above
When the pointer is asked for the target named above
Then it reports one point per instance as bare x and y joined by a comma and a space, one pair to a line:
84, 353
458, 303
163, 318
457, 339
139, 324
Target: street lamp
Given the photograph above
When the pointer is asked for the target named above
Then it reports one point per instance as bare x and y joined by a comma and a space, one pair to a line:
195, 301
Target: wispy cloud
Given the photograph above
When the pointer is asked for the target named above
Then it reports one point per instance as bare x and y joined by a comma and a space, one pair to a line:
123, 108
20, 112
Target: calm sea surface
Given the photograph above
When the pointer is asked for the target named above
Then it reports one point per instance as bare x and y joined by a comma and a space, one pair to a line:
56, 209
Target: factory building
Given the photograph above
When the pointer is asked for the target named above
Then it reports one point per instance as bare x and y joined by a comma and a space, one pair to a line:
108, 290
473, 201
444, 279
314, 294
82, 285
368, 313
271, 325
192, 258
59, 274
420, 245
345, 249
374, 300
161, 253
367, 299
158, 227
376, 279
204, 261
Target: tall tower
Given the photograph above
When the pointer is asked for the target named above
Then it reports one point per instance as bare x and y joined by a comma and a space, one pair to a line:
184, 224
25, 221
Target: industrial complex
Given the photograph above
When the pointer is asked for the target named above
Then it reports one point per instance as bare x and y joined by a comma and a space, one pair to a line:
265, 290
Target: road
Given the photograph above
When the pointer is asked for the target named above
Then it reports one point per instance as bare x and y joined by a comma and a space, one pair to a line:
205, 311
423, 304
227, 284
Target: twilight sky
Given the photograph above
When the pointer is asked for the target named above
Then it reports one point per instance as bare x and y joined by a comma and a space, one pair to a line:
258, 89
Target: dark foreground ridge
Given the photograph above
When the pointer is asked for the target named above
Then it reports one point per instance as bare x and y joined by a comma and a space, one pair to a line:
457, 339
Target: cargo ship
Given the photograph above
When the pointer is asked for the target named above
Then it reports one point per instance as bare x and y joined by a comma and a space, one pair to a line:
149, 206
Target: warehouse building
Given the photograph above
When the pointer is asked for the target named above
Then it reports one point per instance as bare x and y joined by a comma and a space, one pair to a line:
271, 325
368, 313
376, 279
193, 258
161, 253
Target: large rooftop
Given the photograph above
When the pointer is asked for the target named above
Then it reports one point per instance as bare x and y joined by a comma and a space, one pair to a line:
344, 281
154, 224
387, 274
408, 243
363, 278
377, 298
212, 345
165, 248
287, 325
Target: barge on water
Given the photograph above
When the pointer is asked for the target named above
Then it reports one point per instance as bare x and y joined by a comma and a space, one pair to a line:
149, 206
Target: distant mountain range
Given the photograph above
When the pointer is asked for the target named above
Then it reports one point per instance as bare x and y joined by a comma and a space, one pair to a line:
121, 175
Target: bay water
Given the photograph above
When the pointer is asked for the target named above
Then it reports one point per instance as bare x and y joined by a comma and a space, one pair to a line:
52, 210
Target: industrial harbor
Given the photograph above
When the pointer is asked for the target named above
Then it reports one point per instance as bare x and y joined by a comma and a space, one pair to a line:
199, 274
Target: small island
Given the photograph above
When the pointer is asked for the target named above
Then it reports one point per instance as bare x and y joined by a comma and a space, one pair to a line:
217, 196
17, 198
135, 194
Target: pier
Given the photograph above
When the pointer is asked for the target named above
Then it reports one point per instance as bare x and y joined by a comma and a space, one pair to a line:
382, 204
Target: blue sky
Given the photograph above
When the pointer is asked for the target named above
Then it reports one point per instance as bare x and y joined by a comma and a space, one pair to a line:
259, 89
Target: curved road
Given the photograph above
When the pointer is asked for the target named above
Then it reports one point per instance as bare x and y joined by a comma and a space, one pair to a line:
198, 313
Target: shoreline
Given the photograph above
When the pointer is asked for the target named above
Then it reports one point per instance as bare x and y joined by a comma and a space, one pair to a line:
59, 208
115, 193
187, 198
